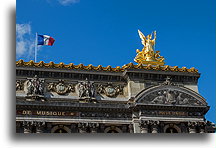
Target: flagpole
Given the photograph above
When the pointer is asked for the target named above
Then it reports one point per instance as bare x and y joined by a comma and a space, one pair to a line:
36, 47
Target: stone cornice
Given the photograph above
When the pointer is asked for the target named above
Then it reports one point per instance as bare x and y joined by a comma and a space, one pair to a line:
90, 67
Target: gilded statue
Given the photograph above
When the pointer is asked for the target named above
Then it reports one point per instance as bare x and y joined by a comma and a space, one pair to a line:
148, 54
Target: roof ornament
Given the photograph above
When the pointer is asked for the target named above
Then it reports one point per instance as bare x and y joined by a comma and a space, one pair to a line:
148, 55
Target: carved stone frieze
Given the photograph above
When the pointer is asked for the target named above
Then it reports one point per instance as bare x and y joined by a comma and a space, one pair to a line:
110, 90
168, 96
35, 86
61, 88
105, 115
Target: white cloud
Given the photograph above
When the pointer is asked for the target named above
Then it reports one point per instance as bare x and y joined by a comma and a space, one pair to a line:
68, 2
24, 41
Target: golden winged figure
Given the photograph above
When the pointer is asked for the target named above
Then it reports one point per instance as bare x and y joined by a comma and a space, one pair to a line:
148, 54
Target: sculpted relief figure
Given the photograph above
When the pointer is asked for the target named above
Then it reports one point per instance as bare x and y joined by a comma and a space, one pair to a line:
170, 97
19, 85
30, 87
86, 89
35, 86
164, 97
160, 99
182, 100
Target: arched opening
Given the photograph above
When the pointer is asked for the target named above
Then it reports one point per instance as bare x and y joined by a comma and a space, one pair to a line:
112, 129
172, 128
60, 130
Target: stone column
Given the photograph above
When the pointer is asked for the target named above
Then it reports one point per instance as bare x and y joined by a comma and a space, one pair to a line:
102, 127
74, 128
183, 128
18, 127
130, 128
192, 127
27, 125
48, 127
154, 126
144, 126
124, 128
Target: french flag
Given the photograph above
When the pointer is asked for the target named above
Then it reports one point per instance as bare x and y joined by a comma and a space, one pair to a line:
45, 40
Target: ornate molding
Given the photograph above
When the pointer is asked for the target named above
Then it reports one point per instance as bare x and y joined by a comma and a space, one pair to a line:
61, 88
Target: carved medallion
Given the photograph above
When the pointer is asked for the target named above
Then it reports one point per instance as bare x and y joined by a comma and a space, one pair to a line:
110, 90
61, 88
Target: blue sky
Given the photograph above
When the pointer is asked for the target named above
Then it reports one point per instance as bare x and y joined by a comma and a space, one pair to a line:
104, 32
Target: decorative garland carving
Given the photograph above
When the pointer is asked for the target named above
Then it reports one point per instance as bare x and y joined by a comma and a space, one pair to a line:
110, 90
61, 88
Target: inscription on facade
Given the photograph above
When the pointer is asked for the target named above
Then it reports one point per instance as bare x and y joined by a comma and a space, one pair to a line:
165, 113
172, 113
46, 113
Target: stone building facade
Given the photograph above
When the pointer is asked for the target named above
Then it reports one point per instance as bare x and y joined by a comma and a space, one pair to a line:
60, 98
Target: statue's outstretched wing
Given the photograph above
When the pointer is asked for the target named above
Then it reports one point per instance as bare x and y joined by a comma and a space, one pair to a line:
142, 36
